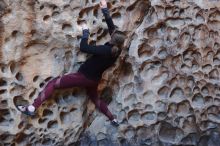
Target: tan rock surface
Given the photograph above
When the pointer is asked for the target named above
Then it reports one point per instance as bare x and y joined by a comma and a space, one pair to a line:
165, 92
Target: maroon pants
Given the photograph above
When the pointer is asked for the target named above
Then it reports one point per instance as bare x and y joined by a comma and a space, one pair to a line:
74, 80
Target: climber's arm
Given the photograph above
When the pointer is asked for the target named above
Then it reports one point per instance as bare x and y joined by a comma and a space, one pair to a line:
108, 19
95, 50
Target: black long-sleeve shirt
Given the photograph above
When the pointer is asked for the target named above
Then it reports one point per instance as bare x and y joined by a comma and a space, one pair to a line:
102, 57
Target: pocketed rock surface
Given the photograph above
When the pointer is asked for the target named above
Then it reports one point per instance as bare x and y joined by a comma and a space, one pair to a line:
166, 84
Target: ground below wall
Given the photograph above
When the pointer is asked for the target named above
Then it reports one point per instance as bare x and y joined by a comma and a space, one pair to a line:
165, 85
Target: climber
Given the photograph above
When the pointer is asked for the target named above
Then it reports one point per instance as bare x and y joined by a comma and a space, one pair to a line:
90, 72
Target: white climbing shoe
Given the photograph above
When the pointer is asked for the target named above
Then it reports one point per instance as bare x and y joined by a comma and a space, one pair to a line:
115, 122
27, 110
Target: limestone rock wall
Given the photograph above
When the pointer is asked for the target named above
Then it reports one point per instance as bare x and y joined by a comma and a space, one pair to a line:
165, 84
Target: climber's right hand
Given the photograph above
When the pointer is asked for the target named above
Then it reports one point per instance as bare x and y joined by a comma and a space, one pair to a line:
103, 4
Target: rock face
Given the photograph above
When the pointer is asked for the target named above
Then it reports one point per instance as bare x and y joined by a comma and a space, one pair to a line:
165, 85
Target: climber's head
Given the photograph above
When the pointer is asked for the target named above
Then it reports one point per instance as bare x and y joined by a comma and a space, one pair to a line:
118, 38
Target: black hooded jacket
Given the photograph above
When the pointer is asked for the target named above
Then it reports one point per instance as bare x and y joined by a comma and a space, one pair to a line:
102, 57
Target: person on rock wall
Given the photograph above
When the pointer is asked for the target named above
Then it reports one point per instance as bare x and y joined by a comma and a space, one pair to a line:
90, 72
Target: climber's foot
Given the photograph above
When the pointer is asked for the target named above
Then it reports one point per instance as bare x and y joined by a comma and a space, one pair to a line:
115, 122
26, 109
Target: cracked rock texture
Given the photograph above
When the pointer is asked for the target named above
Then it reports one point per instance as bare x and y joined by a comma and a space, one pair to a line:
165, 92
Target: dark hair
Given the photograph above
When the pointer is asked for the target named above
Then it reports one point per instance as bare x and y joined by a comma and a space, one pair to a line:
118, 38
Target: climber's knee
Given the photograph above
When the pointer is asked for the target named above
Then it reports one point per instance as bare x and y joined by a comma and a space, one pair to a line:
57, 83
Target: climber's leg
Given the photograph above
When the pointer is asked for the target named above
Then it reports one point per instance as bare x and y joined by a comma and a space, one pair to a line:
65, 81
100, 104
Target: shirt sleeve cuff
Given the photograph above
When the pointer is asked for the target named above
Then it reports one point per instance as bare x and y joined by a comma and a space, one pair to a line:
106, 13
85, 33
